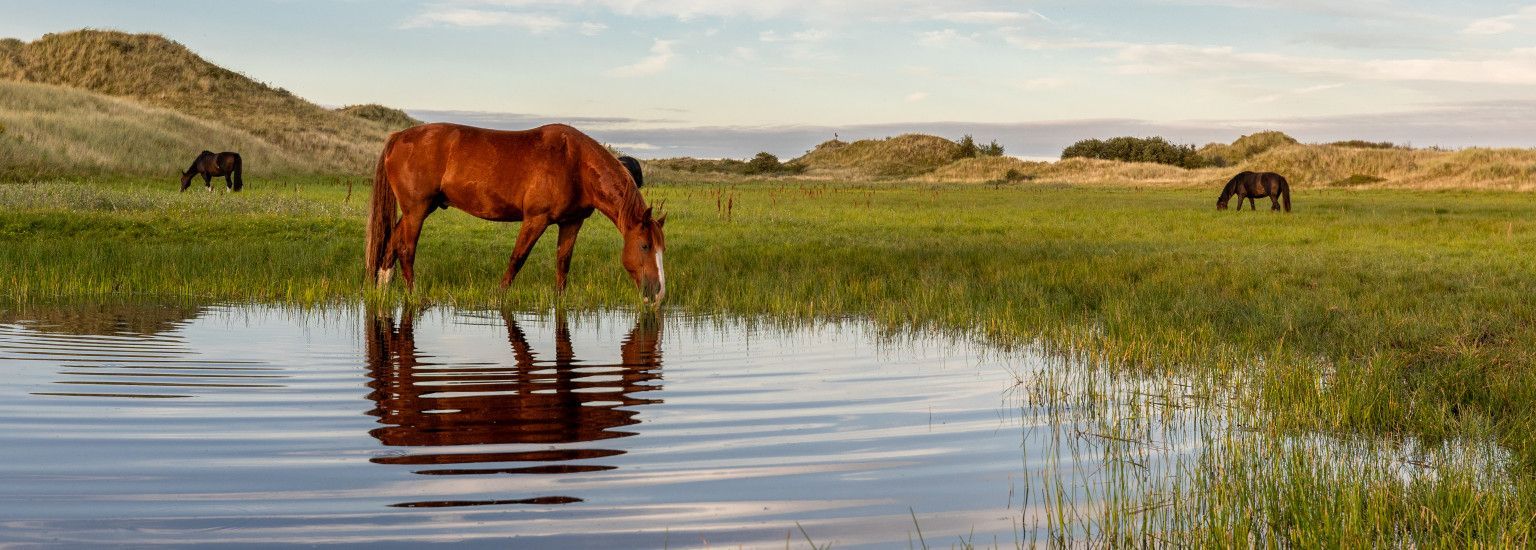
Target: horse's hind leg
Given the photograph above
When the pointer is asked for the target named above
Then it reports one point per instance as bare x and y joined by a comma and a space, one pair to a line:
406, 234
1274, 202
229, 181
568, 233
532, 229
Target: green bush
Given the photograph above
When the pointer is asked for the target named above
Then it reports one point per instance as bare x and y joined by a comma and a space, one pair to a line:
1130, 149
969, 149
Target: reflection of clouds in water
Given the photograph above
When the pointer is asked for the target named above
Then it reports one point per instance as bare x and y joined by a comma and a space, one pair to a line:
537, 398
123, 351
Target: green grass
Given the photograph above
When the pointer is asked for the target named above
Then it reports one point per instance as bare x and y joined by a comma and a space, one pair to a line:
1380, 316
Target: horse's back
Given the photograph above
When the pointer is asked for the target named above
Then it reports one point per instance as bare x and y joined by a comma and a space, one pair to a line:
492, 174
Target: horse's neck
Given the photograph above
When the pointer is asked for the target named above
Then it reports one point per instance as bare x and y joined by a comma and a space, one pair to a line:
623, 210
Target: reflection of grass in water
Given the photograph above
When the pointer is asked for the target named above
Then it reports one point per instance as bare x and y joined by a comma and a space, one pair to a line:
1380, 315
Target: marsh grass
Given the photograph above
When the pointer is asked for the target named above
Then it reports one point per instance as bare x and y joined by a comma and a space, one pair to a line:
1282, 347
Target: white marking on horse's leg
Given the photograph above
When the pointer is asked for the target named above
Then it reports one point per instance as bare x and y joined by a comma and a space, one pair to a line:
384, 276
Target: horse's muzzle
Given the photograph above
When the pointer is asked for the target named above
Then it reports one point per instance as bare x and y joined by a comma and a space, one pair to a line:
652, 292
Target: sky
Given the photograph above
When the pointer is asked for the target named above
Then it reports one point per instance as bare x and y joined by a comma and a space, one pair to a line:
726, 78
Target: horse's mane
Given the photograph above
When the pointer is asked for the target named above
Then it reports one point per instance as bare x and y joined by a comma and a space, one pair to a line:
620, 191
1231, 188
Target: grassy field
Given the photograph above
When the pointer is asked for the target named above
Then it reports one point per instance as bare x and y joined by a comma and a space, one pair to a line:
1385, 318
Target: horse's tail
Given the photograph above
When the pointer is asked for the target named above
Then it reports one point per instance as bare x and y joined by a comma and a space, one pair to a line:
1285, 192
238, 182
634, 170
381, 218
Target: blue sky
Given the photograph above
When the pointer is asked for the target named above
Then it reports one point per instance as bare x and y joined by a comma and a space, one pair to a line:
658, 73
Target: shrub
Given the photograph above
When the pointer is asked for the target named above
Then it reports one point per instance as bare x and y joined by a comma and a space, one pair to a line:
1130, 149
1362, 144
969, 149
1357, 180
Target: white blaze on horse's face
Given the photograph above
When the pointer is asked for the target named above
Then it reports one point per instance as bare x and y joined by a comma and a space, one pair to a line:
661, 276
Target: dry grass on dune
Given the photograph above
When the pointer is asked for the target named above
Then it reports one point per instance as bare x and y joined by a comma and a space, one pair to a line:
391, 118
898, 157
159, 72
53, 131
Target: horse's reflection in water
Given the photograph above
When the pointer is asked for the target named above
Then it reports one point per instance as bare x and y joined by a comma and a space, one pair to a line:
489, 410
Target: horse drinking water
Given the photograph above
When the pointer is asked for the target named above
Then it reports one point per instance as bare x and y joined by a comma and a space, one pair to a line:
548, 175
210, 165
1253, 185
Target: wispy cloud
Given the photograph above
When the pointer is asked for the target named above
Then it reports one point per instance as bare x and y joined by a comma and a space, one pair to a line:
468, 17
945, 38
661, 55
915, 97
1514, 67
991, 17
1501, 24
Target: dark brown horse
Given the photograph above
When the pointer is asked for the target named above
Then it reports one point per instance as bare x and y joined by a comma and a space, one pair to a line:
210, 165
1252, 185
548, 175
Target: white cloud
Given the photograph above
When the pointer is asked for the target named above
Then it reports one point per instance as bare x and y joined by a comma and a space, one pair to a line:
990, 17
798, 10
805, 36
945, 38
1043, 83
1501, 24
661, 55
462, 17
916, 97
593, 28
637, 146
1514, 67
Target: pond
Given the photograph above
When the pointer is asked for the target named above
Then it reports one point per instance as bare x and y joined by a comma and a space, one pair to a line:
256, 425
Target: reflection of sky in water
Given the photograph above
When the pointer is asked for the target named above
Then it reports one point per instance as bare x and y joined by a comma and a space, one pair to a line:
738, 435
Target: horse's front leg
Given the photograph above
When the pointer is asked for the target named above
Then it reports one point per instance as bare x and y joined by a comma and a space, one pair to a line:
208, 182
568, 233
532, 229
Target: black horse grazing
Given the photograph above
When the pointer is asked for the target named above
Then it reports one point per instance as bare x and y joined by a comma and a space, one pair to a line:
1252, 185
210, 165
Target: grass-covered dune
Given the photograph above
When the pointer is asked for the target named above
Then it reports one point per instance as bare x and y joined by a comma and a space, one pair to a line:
155, 71
51, 131
1344, 164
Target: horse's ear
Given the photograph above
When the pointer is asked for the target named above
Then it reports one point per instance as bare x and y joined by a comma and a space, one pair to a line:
662, 220
647, 215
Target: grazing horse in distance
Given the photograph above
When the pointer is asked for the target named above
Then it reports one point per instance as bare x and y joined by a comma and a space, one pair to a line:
1252, 185
210, 165
550, 175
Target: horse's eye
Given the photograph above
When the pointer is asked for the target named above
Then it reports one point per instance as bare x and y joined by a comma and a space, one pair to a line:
646, 247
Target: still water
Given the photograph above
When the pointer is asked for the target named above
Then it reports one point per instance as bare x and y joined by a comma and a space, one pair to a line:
249, 425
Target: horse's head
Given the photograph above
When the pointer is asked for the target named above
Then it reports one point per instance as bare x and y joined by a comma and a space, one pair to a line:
643, 248
186, 179
1221, 203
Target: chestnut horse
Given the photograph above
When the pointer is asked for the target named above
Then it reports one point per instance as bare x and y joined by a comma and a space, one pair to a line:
548, 175
209, 166
1252, 185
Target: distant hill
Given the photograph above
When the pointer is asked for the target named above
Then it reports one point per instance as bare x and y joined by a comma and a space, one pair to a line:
162, 73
